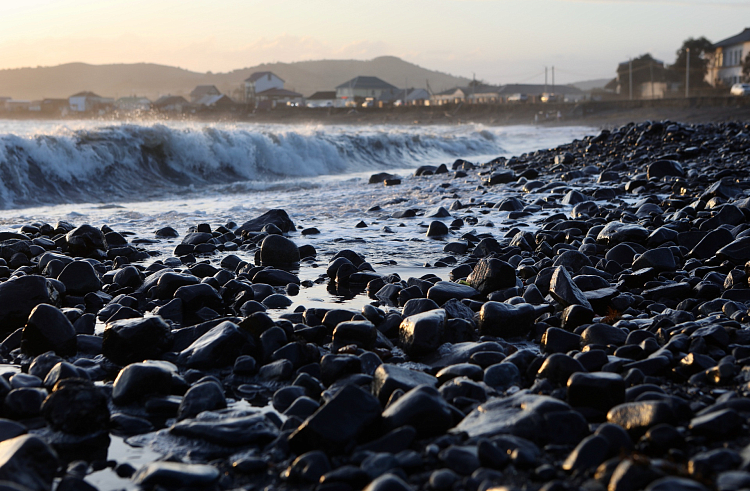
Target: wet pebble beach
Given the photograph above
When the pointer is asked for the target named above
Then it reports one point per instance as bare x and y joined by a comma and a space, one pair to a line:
570, 318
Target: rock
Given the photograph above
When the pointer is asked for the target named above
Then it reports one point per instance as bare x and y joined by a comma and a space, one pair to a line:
565, 291
133, 340
338, 423
437, 229
29, 462
556, 340
718, 424
637, 417
442, 291
558, 367
218, 347
502, 376
591, 452
276, 250
421, 333
712, 242
77, 407
203, 396
361, 333
603, 334
438, 212
462, 460
85, 240
506, 320
380, 177
491, 274
79, 278
388, 378
166, 233
616, 232
675, 484
660, 259
599, 390
737, 251
19, 296
276, 217
137, 381
47, 329
175, 475
307, 468
422, 408
418, 305
388, 482
228, 431
664, 168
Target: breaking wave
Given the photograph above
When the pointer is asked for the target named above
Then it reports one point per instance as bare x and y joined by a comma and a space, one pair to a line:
146, 161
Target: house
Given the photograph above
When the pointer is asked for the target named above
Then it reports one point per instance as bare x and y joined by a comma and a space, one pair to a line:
201, 91
725, 64
132, 104
566, 93
17, 105
88, 101
172, 104
3, 100
449, 96
59, 107
260, 82
408, 97
217, 102
271, 98
651, 78
361, 88
322, 99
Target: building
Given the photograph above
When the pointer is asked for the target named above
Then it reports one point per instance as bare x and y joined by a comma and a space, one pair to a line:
132, 104
725, 64
322, 99
201, 91
260, 82
17, 105
219, 102
271, 98
172, 104
473, 94
88, 101
361, 88
455, 95
651, 79
408, 97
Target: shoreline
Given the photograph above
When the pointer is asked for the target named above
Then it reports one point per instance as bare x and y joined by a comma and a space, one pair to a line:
620, 257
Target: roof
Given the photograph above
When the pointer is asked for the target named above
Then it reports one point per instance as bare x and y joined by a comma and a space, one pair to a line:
201, 90
166, 100
278, 93
210, 100
537, 89
258, 75
322, 95
133, 99
452, 91
742, 37
366, 83
398, 94
86, 93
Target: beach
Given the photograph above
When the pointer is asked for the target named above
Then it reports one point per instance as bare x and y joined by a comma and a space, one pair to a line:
384, 306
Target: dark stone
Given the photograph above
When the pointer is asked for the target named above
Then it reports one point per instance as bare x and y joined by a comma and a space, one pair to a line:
276, 250
616, 232
737, 251
137, 381
47, 329
660, 259
502, 376
603, 334
442, 291
307, 468
492, 274
437, 229
387, 378
276, 217
76, 406
422, 408
133, 340
558, 367
176, 475
591, 452
718, 424
167, 233
637, 417
564, 290
28, 462
203, 396
218, 347
506, 320
599, 390
19, 296
338, 423
422, 333
361, 333
664, 168
85, 240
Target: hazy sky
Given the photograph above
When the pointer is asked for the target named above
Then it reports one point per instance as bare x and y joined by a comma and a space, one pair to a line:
501, 41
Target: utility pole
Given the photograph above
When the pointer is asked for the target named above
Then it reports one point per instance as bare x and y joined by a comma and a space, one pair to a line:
651, 69
553, 79
687, 74
406, 84
630, 78
545, 79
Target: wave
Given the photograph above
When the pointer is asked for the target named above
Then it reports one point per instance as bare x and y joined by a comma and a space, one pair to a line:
131, 161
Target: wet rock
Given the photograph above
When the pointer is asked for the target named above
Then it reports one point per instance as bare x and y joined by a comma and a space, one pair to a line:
19, 296
361, 333
228, 430
276, 250
133, 340
506, 320
203, 396
675, 484
587, 455
502, 376
388, 378
276, 217
603, 334
660, 259
85, 240
166, 233
421, 408
442, 291
47, 329
388, 482
599, 390
421, 333
218, 347
437, 229
737, 251
616, 232
664, 168
175, 475
492, 274
77, 407
564, 290
137, 381
307, 468
338, 423
556, 340
718, 424
28, 462
637, 417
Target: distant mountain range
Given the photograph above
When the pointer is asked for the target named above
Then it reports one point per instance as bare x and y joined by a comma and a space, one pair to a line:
152, 81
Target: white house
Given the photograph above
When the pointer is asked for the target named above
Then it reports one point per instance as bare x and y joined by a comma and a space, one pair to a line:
260, 82
201, 91
323, 98
363, 88
87, 101
725, 65
172, 103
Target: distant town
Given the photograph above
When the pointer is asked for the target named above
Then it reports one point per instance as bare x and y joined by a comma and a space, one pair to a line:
715, 69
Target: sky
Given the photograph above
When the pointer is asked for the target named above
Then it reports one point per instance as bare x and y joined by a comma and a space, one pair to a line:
497, 41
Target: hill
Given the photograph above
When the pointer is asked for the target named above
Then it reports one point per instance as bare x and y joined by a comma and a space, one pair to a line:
152, 81
585, 85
